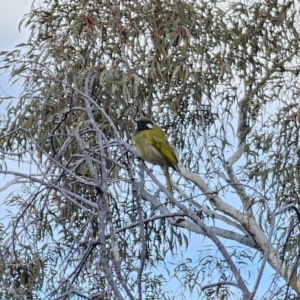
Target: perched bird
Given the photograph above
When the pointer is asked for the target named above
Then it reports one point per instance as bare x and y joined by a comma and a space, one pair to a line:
152, 146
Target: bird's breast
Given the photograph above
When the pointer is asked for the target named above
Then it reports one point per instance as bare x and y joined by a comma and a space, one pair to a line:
147, 151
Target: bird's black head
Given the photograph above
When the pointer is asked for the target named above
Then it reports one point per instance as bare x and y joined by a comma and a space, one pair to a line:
144, 123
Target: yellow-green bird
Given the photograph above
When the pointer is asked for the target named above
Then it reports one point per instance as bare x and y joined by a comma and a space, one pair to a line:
152, 146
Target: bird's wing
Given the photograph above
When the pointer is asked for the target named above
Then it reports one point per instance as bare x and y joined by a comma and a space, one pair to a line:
162, 145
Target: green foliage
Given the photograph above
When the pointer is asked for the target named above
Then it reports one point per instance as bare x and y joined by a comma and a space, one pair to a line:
218, 77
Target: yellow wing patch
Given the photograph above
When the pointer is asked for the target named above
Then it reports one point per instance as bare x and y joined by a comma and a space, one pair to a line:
159, 140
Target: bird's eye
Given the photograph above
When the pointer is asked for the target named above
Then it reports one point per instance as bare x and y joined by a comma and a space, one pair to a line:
149, 125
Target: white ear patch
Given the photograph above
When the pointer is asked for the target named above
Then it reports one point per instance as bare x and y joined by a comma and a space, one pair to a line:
149, 125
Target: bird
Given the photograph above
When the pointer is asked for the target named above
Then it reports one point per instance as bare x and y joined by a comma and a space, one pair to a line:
152, 145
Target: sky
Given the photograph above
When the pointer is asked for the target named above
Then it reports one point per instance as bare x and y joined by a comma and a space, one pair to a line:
11, 14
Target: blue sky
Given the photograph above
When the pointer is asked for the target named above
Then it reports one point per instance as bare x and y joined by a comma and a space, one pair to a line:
11, 14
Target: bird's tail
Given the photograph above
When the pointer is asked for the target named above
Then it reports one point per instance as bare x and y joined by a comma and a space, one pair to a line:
168, 179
